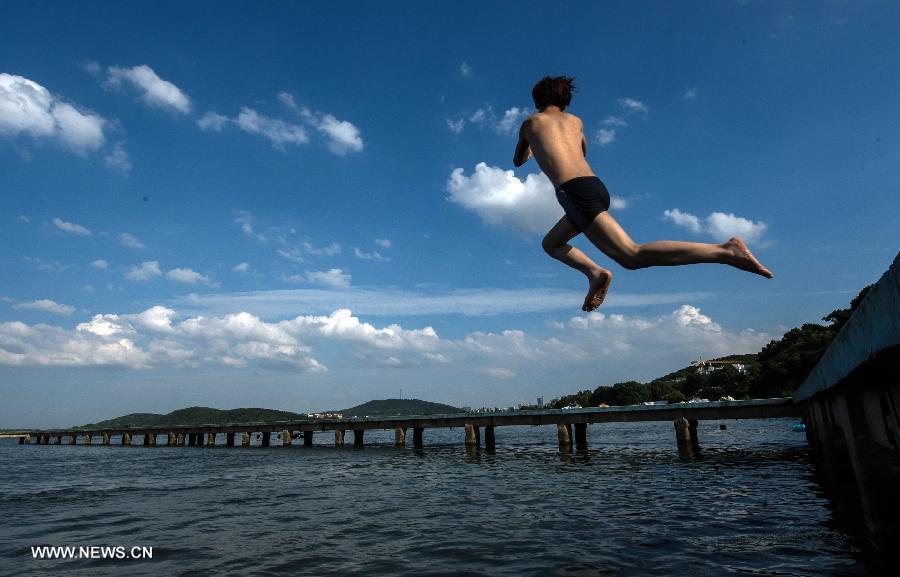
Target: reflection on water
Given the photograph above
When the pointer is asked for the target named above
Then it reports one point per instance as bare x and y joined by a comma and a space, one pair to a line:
629, 504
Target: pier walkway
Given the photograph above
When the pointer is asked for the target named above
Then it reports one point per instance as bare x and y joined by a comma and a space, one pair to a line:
571, 425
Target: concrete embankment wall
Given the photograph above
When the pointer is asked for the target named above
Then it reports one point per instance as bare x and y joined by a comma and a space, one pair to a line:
851, 403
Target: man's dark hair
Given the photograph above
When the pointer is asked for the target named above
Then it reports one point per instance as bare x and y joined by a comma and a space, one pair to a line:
553, 91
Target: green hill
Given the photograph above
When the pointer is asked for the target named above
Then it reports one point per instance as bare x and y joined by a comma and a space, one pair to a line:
196, 416
393, 407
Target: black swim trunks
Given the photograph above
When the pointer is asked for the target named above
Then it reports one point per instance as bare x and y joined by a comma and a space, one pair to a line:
583, 198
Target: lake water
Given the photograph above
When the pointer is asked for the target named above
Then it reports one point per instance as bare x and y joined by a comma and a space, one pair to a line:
629, 505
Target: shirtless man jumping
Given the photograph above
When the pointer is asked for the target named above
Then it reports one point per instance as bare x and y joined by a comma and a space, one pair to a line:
556, 138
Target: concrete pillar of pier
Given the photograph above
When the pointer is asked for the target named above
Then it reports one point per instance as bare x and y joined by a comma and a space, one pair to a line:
146, 441
245, 439
22, 440
564, 435
286, 438
171, 439
126, 438
417, 437
338, 438
57, 439
265, 438
210, 439
400, 437
179, 439
581, 435
307, 438
692, 430
473, 436
73, 439
683, 437
229, 439
152, 437
106, 439
88, 439
489, 441
192, 440
358, 437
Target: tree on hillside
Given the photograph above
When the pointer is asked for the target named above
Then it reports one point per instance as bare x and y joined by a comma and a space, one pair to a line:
627, 393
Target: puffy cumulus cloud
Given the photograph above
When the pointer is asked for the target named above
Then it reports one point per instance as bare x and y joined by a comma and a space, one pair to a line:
28, 108
456, 126
605, 136
277, 131
632, 106
145, 271
341, 324
690, 92
383, 242
504, 124
721, 226
47, 306
374, 255
118, 159
335, 278
465, 70
100, 263
213, 122
327, 250
131, 241
71, 227
154, 90
187, 276
341, 136
241, 267
502, 199
618, 202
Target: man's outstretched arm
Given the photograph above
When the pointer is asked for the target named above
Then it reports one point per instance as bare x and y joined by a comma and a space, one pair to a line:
523, 151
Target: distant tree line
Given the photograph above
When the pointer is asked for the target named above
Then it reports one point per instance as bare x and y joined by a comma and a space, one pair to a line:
775, 371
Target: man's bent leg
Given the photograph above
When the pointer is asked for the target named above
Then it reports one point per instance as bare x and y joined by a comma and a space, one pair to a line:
555, 244
606, 234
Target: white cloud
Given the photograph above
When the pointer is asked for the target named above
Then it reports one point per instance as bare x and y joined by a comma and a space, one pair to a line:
335, 278
465, 70
509, 123
213, 122
277, 131
499, 373
242, 267
24, 218
26, 107
47, 306
100, 264
374, 255
683, 219
118, 159
245, 219
456, 126
605, 136
129, 240
291, 254
719, 225
383, 242
723, 226
154, 90
343, 136
329, 250
71, 227
632, 106
502, 199
618, 202
614, 121
145, 271
393, 302
187, 276
690, 92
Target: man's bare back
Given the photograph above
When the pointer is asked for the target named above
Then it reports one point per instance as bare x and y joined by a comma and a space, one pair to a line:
556, 138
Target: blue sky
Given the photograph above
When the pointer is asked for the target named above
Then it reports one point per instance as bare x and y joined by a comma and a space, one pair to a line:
306, 206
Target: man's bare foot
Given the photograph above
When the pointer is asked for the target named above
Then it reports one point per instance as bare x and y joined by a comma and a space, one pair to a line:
599, 284
744, 259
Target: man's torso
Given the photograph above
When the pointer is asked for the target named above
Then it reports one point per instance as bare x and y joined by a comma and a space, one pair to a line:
556, 140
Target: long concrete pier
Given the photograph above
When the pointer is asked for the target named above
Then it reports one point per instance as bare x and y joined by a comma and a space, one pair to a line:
851, 405
571, 426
